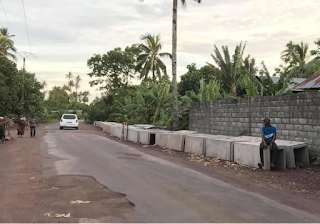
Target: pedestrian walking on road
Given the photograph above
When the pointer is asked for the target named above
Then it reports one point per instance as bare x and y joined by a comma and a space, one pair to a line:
269, 136
21, 125
33, 123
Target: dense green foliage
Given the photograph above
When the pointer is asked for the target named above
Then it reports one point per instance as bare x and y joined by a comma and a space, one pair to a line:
231, 76
11, 82
114, 69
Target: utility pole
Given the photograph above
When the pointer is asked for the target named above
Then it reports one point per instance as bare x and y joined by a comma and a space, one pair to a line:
27, 54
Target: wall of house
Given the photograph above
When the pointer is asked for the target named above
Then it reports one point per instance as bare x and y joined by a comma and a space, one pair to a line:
296, 117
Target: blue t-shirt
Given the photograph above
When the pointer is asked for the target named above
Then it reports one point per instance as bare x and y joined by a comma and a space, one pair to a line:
268, 134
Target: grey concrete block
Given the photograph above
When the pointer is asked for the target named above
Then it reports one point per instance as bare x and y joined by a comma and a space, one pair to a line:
175, 141
247, 153
195, 144
133, 135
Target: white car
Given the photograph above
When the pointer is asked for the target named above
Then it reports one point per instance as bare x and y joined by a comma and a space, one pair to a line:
69, 121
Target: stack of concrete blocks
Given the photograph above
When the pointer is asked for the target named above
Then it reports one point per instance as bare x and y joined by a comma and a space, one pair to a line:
290, 154
221, 147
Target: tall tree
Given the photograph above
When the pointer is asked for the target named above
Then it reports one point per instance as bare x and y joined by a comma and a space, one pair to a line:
114, 69
297, 56
150, 58
6, 44
77, 85
174, 62
58, 98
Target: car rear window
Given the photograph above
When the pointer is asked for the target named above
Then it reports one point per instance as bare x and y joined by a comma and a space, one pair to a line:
69, 117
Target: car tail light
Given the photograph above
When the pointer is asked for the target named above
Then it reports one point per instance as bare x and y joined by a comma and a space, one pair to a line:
76, 121
61, 120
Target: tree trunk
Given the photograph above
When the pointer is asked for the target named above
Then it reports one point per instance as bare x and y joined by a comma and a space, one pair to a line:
174, 67
153, 76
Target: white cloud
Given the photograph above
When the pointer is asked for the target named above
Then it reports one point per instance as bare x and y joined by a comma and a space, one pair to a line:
65, 33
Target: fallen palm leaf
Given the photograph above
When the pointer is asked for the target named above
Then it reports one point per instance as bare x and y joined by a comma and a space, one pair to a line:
62, 215
79, 202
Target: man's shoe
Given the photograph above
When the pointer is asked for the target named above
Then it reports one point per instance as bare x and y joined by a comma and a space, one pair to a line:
260, 165
272, 166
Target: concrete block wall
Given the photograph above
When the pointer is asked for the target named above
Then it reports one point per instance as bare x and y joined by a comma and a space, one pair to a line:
296, 117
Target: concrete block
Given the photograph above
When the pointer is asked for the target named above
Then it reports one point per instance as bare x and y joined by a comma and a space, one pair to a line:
280, 161
195, 143
133, 135
162, 138
116, 130
175, 141
106, 127
223, 146
144, 137
295, 152
247, 153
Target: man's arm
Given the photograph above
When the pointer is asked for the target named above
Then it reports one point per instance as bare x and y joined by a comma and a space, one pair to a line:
274, 137
263, 140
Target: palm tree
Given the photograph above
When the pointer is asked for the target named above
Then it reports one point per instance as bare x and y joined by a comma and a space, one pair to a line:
297, 55
174, 62
149, 59
69, 76
231, 69
77, 85
6, 44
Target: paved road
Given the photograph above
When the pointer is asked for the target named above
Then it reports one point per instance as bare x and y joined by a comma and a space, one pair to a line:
161, 191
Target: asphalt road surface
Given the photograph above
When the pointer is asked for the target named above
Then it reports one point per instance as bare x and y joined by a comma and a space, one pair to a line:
161, 190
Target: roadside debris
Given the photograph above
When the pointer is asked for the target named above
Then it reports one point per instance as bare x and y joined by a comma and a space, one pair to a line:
145, 146
53, 188
32, 178
46, 214
79, 202
62, 215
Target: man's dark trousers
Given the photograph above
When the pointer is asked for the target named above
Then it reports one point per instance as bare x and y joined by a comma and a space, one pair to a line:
33, 131
274, 149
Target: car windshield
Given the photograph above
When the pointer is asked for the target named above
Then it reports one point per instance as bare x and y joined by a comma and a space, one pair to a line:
69, 117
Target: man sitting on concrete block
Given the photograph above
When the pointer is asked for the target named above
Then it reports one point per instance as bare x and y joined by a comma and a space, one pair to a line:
269, 136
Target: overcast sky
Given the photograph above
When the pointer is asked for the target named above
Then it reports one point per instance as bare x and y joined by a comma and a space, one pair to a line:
64, 34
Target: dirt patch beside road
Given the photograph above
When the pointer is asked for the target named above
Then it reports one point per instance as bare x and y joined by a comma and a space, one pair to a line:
26, 196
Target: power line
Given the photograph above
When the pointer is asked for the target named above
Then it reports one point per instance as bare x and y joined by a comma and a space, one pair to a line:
25, 18
9, 26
